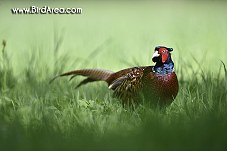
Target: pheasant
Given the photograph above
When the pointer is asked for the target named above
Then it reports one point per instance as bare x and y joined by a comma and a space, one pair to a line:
156, 84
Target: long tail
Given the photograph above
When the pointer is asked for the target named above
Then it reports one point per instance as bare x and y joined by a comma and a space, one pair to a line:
91, 74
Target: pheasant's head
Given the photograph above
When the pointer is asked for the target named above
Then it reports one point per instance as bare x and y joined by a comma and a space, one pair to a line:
161, 54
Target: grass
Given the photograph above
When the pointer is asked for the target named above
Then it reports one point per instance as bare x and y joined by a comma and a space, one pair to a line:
35, 115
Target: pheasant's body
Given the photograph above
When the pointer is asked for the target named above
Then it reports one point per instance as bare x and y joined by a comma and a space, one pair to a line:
139, 83
156, 84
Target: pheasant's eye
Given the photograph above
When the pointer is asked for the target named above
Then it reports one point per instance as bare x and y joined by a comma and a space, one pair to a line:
163, 51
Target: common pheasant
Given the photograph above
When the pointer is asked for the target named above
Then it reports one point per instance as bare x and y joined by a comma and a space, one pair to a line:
156, 84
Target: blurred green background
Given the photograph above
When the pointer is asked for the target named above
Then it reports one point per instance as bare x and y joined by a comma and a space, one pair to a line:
112, 35
134, 28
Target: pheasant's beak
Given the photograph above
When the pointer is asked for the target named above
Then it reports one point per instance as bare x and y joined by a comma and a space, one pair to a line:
164, 57
155, 55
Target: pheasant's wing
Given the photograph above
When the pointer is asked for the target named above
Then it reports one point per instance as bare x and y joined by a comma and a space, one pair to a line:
123, 73
127, 86
119, 77
116, 83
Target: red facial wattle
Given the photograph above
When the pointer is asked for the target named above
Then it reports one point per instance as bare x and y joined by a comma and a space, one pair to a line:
164, 57
164, 54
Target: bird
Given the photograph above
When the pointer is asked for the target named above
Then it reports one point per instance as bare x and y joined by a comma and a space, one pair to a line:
156, 84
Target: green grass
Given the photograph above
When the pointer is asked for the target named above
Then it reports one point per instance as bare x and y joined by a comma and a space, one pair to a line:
35, 115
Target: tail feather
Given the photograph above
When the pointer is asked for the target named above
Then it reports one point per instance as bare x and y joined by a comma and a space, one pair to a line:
85, 81
91, 74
